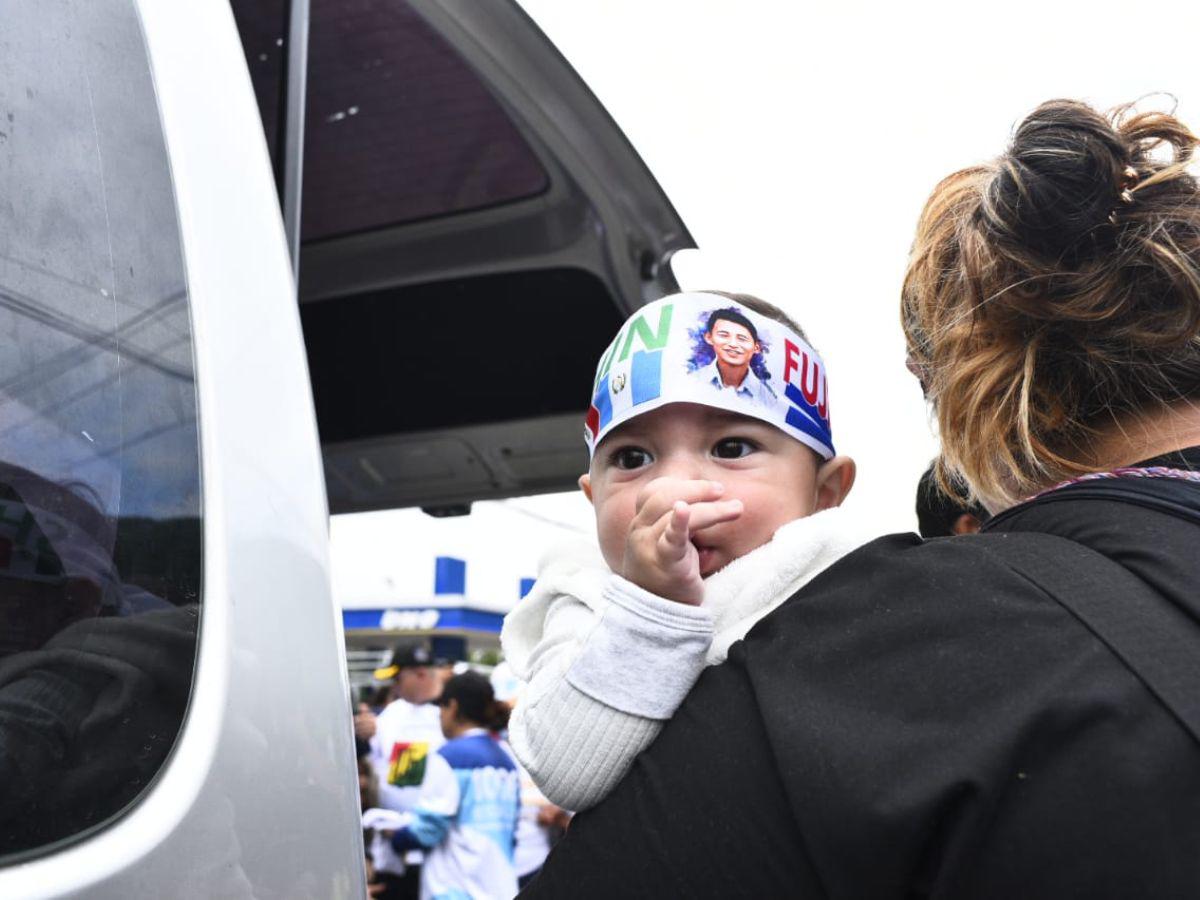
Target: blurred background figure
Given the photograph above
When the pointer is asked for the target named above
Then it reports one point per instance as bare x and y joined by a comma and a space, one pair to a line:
540, 823
368, 798
399, 741
941, 515
466, 814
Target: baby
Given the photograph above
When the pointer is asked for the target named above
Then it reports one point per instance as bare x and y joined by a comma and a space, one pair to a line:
715, 487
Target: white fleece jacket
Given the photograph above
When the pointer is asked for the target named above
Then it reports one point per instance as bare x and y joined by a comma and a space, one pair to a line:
606, 663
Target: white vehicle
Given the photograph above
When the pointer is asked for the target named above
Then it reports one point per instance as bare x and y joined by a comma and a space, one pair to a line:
174, 717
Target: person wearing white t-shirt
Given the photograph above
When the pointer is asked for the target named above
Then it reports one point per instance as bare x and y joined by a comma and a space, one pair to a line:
466, 816
402, 738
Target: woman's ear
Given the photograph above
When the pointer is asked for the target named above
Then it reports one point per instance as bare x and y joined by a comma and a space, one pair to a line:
835, 477
585, 485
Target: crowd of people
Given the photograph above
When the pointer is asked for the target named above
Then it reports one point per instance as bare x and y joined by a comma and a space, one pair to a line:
746, 696
447, 810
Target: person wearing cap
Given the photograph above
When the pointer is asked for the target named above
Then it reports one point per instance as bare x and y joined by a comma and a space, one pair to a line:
465, 816
711, 509
401, 739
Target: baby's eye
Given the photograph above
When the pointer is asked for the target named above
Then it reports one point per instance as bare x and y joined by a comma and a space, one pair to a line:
733, 448
630, 458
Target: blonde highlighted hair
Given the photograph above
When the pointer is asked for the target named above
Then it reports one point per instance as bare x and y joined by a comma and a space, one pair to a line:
1053, 291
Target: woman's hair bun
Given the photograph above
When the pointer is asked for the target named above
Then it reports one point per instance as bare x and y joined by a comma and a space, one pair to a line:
1060, 180
1055, 291
1071, 171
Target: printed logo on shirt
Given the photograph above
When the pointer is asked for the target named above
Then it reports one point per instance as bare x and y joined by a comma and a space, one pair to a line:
407, 765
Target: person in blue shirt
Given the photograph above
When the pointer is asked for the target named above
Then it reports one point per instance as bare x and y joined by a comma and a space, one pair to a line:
466, 815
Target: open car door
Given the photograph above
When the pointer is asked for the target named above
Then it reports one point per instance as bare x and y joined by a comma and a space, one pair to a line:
174, 716
474, 227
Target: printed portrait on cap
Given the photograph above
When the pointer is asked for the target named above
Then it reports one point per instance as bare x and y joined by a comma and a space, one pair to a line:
729, 354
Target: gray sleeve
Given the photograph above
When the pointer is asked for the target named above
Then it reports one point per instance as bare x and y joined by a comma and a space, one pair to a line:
602, 683
644, 654
575, 748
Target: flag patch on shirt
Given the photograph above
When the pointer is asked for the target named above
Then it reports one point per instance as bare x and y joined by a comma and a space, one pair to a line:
407, 765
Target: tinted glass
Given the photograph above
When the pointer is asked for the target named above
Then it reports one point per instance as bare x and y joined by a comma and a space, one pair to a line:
398, 127
99, 470
485, 349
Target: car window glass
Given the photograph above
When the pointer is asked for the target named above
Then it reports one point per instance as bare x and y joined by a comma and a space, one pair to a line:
398, 127
99, 468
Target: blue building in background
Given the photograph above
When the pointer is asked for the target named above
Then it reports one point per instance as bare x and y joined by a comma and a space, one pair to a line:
459, 628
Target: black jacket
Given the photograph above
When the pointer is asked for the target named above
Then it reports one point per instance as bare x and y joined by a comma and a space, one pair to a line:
924, 719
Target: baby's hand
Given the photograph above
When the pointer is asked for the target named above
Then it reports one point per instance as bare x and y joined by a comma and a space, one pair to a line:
659, 554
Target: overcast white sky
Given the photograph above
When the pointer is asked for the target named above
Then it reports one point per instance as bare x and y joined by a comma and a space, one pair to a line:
798, 141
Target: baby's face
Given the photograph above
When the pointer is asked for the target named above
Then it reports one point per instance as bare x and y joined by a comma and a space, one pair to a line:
774, 475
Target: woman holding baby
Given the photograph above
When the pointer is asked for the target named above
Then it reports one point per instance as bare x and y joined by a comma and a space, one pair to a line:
1012, 714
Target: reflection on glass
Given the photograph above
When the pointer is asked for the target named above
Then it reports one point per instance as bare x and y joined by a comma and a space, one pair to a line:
99, 468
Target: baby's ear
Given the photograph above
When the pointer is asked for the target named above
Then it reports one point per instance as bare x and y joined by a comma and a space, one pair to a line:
835, 477
585, 485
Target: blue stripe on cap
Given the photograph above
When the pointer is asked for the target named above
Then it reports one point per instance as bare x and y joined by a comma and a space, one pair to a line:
804, 417
603, 402
645, 373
